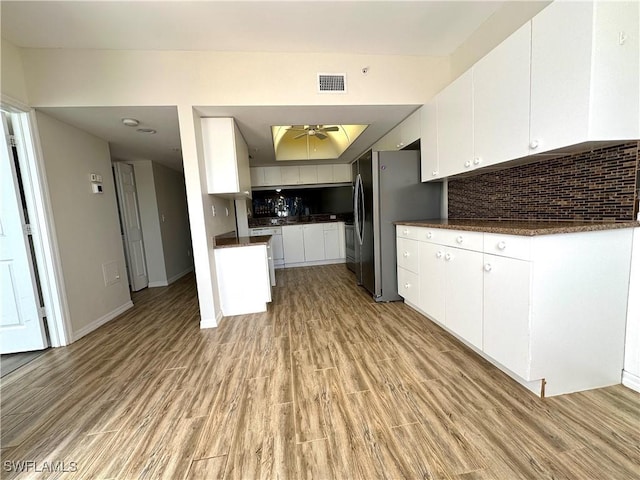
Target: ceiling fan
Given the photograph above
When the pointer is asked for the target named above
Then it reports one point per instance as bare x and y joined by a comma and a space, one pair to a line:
312, 131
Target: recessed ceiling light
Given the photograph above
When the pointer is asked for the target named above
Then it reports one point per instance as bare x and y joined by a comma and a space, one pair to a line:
130, 122
150, 131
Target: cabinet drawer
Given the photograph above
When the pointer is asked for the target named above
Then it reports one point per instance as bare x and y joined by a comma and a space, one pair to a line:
511, 246
461, 239
408, 254
407, 231
330, 226
408, 285
431, 235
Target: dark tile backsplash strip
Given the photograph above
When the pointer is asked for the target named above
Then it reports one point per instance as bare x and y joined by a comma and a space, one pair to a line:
589, 186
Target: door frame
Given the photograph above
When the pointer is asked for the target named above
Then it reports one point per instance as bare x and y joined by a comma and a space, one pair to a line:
36, 191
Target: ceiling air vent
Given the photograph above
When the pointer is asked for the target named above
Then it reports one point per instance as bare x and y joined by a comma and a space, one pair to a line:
332, 83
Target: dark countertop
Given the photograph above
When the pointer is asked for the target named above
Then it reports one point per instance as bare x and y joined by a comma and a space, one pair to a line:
519, 227
281, 221
225, 241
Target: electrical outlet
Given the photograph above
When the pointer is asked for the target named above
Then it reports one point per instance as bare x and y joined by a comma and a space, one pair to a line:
213, 210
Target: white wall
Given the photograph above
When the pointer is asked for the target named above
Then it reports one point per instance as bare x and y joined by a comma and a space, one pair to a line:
12, 73
174, 221
631, 374
188, 79
86, 224
151, 234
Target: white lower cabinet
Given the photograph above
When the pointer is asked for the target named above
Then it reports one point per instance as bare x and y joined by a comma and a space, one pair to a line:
463, 294
549, 310
507, 313
313, 244
293, 244
244, 282
313, 235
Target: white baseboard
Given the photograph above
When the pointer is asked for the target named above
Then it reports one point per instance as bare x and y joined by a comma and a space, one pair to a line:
77, 335
631, 381
211, 322
180, 275
166, 283
313, 264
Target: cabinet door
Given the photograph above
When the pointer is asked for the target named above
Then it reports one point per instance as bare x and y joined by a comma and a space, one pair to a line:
293, 244
325, 174
272, 176
308, 174
409, 286
277, 249
290, 175
409, 130
501, 83
455, 126
429, 142
242, 159
561, 51
342, 173
432, 281
257, 177
313, 242
463, 297
331, 244
507, 305
389, 142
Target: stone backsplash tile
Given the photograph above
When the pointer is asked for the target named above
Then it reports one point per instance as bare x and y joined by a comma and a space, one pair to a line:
600, 184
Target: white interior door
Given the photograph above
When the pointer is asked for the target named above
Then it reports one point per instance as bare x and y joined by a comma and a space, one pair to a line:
132, 226
21, 327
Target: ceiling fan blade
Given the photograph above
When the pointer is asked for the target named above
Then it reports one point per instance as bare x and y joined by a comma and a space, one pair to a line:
330, 129
300, 136
321, 135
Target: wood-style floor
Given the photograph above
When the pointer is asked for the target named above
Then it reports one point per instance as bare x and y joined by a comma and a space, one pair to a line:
326, 384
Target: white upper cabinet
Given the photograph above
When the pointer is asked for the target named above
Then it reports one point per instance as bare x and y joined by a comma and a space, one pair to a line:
501, 82
403, 134
325, 174
429, 141
455, 126
585, 80
569, 76
308, 174
226, 157
342, 173
290, 175
272, 176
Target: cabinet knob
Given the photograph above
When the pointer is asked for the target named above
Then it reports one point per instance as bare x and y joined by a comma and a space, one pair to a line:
459, 239
487, 267
247, 193
405, 231
534, 144
502, 245
405, 254
447, 257
434, 173
476, 161
407, 285
439, 254
429, 234
467, 163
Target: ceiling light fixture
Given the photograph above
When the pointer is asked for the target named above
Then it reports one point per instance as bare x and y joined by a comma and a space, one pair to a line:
130, 122
150, 131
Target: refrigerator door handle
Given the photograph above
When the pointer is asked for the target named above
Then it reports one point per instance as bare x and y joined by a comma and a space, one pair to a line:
359, 212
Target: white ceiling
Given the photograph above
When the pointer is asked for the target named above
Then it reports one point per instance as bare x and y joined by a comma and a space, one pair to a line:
366, 27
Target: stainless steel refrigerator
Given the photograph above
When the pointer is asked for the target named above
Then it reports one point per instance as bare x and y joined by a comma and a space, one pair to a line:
387, 188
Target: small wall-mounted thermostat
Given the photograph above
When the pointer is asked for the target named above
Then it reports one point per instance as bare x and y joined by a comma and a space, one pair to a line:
96, 188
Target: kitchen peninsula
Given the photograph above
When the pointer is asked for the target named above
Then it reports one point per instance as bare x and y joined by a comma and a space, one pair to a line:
544, 301
244, 267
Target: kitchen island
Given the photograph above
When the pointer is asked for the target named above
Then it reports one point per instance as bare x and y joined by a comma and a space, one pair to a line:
244, 270
544, 301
